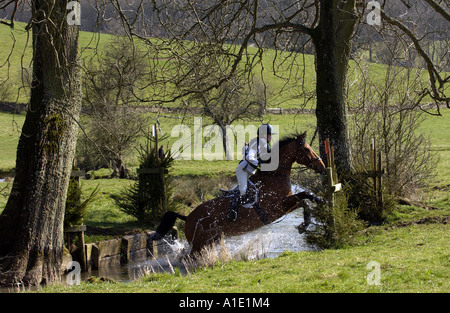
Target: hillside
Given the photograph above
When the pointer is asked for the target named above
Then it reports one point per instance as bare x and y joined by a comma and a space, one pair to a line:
289, 77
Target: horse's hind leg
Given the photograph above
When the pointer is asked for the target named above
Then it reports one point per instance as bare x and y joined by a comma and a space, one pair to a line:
199, 243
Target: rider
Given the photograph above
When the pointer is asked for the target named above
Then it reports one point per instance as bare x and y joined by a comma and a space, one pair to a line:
249, 164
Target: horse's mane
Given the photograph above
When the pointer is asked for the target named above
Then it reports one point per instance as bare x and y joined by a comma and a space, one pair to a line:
289, 138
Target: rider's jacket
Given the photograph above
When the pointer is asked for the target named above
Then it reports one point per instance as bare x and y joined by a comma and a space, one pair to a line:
253, 154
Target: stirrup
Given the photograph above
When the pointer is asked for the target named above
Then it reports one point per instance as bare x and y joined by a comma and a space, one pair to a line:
233, 209
232, 215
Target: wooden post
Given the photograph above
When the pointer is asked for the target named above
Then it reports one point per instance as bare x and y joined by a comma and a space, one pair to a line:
161, 173
158, 170
380, 177
156, 142
377, 172
374, 165
78, 230
331, 175
328, 152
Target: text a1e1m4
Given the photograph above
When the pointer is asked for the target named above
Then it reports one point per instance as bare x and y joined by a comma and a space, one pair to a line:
228, 302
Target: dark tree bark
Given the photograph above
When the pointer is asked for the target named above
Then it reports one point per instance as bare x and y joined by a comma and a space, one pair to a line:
332, 41
31, 226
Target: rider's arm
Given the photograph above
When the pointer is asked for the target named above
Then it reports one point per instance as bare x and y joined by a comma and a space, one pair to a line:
252, 156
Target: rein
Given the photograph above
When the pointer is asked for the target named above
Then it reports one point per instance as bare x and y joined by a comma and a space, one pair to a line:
301, 145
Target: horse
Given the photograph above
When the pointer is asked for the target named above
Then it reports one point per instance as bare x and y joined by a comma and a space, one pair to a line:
208, 221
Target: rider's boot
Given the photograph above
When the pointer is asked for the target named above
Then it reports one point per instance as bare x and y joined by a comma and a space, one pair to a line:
235, 203
233, 209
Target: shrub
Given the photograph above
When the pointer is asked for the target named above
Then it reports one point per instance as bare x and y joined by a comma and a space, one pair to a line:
75, 208
335, 226
361, 196
150, 196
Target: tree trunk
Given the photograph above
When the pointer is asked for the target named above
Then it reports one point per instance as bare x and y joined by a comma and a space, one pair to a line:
332, 40
229, 155
31, 226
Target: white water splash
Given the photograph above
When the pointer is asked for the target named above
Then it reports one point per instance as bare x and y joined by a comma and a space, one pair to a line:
271, 240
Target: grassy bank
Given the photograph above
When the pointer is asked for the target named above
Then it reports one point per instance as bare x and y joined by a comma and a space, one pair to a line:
412, 258
290, 83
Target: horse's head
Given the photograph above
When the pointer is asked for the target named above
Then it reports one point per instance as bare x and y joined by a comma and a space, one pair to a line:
306, 156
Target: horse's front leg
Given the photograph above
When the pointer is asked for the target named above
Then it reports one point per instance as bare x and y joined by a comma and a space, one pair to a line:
292, 202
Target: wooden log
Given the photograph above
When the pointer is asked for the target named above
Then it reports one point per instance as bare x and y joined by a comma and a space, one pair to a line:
109, 248
75, 229
134, 247
151, 246
92, 256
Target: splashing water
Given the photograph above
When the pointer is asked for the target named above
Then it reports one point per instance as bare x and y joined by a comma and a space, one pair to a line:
270, 240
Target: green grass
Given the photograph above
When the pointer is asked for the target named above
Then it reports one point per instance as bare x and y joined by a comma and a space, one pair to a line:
438, 128
10, 127
16, 54
290, 83
411, 259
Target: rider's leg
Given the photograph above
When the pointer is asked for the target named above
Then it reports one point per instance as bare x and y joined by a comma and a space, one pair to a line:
242, 178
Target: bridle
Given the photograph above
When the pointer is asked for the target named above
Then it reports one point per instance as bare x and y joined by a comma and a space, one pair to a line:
301, 146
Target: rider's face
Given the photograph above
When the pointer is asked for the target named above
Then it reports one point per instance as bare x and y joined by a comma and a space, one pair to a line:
269, 137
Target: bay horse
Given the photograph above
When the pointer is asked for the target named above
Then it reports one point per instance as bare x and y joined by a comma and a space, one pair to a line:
208, 221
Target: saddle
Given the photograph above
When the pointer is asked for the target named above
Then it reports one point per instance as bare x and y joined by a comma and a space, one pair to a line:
250, 200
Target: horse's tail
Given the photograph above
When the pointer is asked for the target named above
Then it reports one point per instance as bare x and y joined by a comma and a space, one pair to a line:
167, 222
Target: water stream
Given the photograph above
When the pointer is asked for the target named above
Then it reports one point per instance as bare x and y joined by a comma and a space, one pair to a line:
266, 242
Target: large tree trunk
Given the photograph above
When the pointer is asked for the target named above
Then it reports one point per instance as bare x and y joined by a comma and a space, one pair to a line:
332, 40
31, 226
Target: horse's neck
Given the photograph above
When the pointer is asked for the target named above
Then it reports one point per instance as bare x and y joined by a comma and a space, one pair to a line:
283, 170
285, 164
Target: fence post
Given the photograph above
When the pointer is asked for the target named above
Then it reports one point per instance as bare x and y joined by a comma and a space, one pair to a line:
377, 172
332, 185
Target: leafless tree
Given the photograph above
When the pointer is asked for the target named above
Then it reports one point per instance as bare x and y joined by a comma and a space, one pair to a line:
113, 123
235, 99
329, 27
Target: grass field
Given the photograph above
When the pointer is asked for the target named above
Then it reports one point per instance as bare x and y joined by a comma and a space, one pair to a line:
290, 84
16, 54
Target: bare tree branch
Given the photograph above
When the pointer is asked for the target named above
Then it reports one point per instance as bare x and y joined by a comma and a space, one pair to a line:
437, 91
3, 5
439, 9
